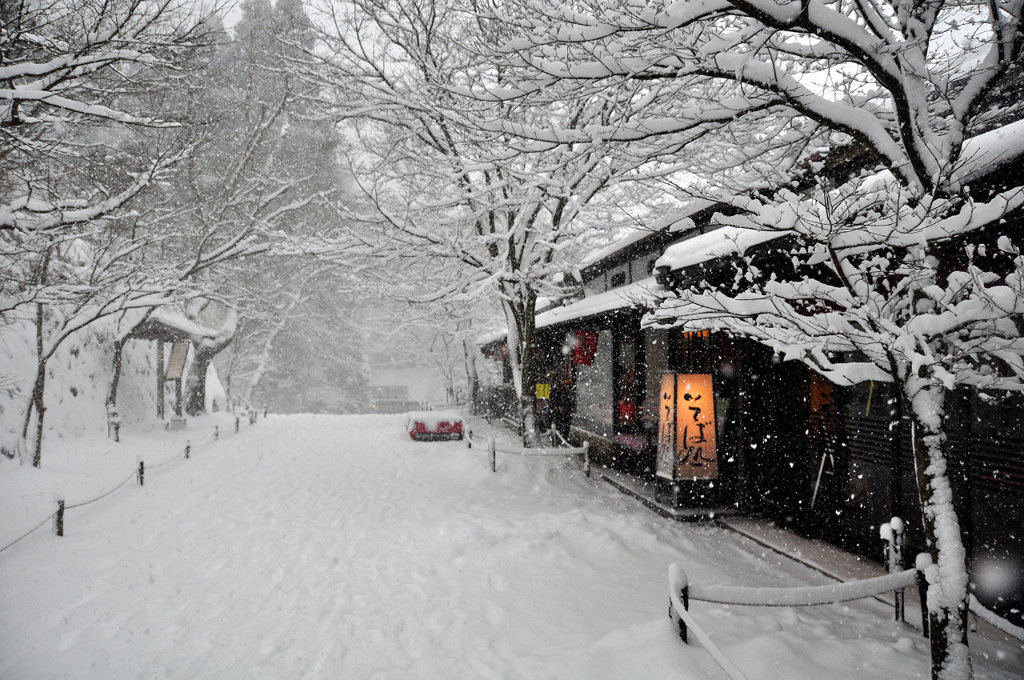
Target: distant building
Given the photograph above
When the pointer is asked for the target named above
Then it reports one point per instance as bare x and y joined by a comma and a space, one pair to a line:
398, 388
390, 399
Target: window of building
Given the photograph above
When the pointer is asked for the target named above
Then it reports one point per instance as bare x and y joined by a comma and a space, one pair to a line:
618, 279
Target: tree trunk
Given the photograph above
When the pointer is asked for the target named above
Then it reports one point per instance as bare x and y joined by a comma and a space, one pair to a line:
471, 376
947, 590
37, 406
195, 384
118, 360
115, 372
521, 355
37, 453
36, 400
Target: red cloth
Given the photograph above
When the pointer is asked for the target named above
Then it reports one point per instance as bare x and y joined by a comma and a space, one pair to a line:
627, 412
586, 348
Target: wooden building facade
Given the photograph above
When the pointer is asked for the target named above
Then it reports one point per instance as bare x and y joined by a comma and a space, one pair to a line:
828, 461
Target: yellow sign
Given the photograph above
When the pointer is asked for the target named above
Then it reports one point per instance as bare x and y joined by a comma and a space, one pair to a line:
543, 390
687, 441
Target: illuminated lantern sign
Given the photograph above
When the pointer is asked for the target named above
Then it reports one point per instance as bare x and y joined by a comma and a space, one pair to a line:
687, 442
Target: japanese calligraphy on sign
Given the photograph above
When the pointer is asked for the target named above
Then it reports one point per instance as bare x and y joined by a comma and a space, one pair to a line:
687, 441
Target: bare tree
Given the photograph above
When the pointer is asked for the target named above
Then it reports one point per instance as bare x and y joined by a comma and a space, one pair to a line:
68, 284
441, 181
79, 79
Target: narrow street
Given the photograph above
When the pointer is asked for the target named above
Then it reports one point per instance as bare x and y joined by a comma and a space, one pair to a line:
334, 547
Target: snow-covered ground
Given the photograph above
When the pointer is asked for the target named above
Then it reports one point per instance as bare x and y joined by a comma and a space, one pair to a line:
335, 547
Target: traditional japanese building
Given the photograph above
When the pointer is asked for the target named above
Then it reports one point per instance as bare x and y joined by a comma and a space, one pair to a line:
710, 424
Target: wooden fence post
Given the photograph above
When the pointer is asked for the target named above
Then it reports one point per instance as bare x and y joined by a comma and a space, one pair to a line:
469, 439
892, 534
264, 410
188, 449
237, 419
142, 472
683, 583
58, 518
492, 453
216, 432
898, 538
686, 605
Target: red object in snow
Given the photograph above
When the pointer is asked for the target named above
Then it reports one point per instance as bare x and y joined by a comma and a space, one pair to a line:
586, 348
434, 425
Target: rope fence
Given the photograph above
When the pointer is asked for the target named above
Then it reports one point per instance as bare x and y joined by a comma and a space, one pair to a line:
538, 452
29, 532
682, 592
137, 475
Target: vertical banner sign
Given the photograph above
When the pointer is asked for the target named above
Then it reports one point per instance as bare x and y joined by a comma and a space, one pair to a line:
667, 427
696, 441
176, 366
687, 441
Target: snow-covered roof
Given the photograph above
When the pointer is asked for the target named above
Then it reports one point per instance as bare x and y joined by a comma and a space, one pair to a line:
673, 222
491, 336
610, 300
170, 323
721, 242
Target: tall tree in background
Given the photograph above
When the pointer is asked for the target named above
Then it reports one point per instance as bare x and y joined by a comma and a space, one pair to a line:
265, 180
440, 181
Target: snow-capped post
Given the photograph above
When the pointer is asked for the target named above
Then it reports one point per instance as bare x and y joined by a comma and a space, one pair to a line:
892, 534
492, 454
586, 458
237, 420
58, 518
188, 449
684, 593
679, 579
264, 410
142, 472
216, 432
117, 431
469, 439
897, 563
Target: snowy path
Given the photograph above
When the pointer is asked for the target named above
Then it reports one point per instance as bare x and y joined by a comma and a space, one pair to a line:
336, 548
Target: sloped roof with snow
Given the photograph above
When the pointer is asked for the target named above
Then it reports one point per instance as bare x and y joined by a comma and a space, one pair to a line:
722, 242
678, 220
170, 324
632, 295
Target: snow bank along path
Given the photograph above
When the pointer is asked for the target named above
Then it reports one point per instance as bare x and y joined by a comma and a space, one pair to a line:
335, 547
